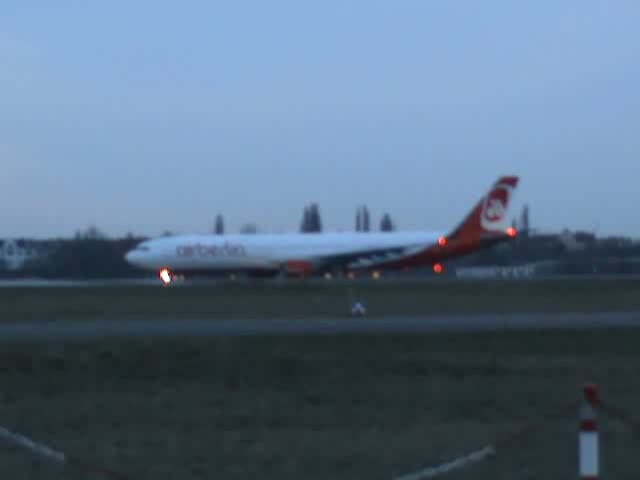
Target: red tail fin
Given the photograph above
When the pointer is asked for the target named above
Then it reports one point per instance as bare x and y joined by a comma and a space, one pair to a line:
487, 218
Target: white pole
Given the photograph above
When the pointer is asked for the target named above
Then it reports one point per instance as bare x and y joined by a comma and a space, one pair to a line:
588, 441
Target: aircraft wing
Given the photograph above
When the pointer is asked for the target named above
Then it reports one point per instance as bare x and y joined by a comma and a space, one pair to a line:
370, 258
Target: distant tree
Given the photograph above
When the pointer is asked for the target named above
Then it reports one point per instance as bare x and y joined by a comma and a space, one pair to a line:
304, 224
316, 221
524, 221
91, 233
219, 225
366, 220
249, 229
386, 224
363, 220
311, 221
305, 220
86, 258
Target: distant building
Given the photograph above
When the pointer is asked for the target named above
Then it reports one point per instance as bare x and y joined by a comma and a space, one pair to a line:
527, 270
16, 253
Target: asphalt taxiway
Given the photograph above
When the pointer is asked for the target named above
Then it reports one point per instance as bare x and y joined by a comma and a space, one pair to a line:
198, 328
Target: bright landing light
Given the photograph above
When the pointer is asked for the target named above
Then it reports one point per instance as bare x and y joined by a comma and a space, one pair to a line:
165, 276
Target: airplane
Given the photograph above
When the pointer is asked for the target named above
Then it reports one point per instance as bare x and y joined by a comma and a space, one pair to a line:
306, 254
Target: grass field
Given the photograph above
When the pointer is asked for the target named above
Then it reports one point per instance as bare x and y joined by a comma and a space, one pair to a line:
349, 407
319, 299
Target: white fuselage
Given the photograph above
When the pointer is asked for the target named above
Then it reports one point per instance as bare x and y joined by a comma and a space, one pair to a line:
304, 253
266, 251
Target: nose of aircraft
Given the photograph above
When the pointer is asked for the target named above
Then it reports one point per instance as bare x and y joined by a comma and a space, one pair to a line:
133, 257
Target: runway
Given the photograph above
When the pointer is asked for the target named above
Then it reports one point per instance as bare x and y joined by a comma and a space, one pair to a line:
127, 328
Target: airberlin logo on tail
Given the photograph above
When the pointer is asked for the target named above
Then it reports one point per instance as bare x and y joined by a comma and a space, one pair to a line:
494, 210
495, 206
199, 250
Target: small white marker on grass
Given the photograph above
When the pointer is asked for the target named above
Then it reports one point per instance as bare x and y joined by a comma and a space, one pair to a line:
358, 309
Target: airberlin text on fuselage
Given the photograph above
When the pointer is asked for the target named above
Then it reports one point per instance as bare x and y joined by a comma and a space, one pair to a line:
199, 250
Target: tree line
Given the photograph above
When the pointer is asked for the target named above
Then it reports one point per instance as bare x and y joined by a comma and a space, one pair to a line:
311, 222
92, 255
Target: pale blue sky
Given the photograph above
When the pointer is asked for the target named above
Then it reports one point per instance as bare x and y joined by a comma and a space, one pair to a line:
144, 116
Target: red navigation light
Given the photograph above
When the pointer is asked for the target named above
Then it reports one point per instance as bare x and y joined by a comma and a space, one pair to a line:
512, 232
438, 268
442, 241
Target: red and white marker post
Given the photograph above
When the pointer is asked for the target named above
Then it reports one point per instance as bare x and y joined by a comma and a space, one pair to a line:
588, 441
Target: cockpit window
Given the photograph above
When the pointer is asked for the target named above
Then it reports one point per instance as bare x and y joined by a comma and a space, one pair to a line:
143, 248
